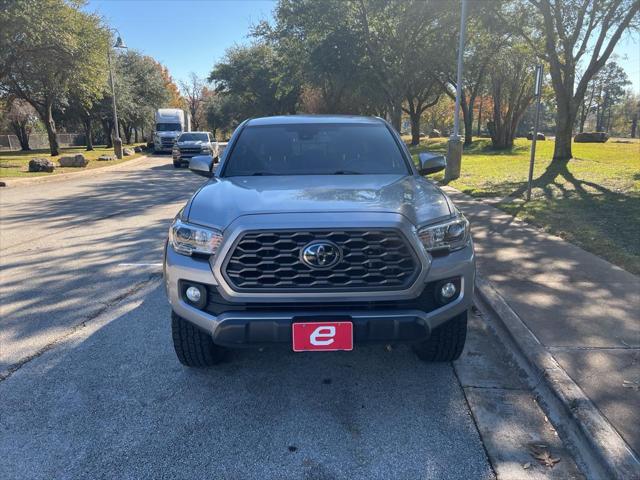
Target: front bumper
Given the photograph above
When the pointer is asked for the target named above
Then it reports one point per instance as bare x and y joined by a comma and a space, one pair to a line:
268, 319
184, 156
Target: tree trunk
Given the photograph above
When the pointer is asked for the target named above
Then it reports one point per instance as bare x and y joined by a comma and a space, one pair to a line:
88, 132
135, 135
565, 119
479, 117
467, 117
107, 127
634, 125
395, 114
50, 125
20, 129
415, 128
127, 133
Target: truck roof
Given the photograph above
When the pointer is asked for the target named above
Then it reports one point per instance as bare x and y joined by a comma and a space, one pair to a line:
298, 119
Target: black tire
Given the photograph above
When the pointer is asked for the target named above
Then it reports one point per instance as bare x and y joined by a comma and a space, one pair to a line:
176, 164
193, 347
445, 343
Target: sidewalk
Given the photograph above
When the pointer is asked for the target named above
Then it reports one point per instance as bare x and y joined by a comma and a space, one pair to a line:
583, 310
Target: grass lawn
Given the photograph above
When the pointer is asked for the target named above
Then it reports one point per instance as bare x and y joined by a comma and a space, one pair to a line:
592, 201
16, 164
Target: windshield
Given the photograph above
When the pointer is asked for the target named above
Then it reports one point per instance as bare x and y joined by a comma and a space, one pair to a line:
168, 127
193, 137
316, 149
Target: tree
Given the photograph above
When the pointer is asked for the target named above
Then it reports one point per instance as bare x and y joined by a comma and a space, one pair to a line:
47, 48
219, 113
398, 35
422, 94
194, 91
175, 99
140, 90
321, 47
254, 78
625, 115
576, 32
21, 117
485, 38
512, 93
612, 89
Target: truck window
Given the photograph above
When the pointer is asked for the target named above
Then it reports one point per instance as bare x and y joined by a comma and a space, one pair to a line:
168, 127
316, 149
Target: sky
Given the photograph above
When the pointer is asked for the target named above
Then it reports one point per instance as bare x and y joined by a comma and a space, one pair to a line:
185, 36
191, 36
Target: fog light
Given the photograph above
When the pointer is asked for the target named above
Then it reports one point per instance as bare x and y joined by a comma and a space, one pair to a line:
448, 290
193, 294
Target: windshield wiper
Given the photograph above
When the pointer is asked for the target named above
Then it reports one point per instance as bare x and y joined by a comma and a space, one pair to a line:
346, 172
256, 174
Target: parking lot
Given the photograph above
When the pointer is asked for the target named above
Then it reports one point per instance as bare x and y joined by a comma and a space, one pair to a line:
90, 386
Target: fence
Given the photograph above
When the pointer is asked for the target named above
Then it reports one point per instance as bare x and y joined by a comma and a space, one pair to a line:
40, 140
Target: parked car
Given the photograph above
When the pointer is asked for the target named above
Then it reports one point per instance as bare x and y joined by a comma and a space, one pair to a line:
190, 144
319, 233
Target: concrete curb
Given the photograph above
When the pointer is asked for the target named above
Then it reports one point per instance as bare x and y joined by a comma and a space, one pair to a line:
11, 182
591, 430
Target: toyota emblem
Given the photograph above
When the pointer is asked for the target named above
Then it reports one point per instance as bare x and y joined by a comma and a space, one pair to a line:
321, 254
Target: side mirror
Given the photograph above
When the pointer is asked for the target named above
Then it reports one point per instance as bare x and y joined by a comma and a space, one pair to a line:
431, 163
202, 165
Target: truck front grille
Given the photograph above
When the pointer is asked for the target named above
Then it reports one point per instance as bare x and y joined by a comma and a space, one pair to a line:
190, 150
167, 142
270, 261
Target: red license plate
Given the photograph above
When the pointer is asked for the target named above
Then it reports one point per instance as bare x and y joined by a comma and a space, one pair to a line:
322, 336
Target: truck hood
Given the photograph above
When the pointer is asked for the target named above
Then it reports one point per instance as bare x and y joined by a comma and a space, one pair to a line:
191, 143
222, 200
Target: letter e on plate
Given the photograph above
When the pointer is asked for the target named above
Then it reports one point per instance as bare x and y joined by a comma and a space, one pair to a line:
322, 336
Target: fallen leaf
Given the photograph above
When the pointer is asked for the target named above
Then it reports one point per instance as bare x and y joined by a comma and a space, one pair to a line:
527, 465
546, 459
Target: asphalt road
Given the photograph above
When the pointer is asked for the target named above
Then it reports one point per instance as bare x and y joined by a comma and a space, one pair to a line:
66, 246
90, 386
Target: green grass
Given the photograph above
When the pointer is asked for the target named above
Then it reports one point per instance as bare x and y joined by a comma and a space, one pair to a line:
592, 201
16, 164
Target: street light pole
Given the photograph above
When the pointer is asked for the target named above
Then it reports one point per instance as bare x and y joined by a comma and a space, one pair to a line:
454, 149
538, 94
117, 141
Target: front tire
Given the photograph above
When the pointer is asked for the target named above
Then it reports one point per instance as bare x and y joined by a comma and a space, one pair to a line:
176, 164
445, 343
193, 347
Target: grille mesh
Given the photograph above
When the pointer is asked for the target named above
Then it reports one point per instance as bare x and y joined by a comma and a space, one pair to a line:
190, 150
372, 260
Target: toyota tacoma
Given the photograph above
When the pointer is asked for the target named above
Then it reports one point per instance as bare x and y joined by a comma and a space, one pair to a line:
319, 233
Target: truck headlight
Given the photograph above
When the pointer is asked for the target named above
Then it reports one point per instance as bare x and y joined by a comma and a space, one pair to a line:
187, 239
206, 149
448, 236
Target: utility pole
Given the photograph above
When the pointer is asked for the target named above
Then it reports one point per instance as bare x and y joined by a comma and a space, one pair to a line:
454, 148
538, 94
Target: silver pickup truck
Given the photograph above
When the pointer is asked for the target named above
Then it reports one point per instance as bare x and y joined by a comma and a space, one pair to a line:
318, 233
